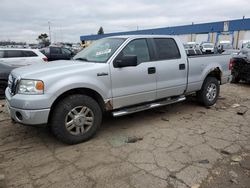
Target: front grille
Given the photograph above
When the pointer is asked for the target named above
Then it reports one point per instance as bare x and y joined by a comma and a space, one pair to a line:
12, 84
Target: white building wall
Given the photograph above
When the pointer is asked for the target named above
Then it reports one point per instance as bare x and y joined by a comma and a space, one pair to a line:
201, 38
246, 35
184, 38
225, 37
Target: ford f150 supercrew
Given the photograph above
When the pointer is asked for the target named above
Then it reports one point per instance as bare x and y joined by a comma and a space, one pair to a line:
121, 75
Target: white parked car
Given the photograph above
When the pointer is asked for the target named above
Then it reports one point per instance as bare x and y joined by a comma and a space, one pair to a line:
243, 43
224, 45
207, 48
191, 45
21, 57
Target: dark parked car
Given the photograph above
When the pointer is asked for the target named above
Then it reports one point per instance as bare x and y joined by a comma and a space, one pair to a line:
57, 53
4, 74
241, 66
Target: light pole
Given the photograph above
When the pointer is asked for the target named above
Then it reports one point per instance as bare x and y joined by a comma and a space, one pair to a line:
49, 32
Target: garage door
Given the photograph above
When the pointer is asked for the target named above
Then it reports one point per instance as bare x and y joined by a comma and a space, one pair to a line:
247, 35
225, 37
201, 38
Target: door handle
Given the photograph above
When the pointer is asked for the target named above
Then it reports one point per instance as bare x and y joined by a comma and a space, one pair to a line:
151, 70
182, 66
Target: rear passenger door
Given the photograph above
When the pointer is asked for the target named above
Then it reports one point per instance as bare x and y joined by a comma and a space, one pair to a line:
171, 68
31, 57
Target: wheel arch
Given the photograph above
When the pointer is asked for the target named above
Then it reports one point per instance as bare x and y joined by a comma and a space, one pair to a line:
216, 72
85, 91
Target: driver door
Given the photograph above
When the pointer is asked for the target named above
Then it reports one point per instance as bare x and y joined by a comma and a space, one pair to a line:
134, 84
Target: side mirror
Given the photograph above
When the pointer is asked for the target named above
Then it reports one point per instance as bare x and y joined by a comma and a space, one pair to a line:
125, 61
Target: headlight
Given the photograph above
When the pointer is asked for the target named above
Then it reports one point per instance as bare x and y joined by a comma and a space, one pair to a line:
33, 87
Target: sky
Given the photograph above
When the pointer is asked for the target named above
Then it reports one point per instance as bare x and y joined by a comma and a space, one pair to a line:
24, 20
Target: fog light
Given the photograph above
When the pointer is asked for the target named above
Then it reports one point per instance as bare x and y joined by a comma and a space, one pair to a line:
19, 116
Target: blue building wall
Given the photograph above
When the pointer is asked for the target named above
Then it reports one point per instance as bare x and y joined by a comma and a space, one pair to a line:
234, 25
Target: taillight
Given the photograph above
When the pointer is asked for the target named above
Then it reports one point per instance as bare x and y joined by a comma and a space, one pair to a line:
231, 64
45, 59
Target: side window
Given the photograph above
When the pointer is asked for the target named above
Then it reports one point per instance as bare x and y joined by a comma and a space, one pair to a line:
198, 52
167, 48
29, 54
1, 53
54, 50
66, 51
14, 53
139, 48
42, 51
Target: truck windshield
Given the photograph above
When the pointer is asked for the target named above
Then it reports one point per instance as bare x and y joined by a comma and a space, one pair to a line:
100, 51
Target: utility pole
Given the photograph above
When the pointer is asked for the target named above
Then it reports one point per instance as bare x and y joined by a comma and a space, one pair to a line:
49, 33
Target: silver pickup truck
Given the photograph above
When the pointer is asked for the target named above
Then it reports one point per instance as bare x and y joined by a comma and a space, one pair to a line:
121, 75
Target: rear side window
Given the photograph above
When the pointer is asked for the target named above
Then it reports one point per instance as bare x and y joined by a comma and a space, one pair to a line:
29, 54
14, 53
66, 51
1, 53
166, 48
42, 51
54, 50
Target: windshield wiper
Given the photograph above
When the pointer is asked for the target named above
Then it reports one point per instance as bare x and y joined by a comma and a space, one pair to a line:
82, 59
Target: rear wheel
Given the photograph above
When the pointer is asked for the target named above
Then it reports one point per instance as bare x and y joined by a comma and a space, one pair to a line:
76, 119
235, 78
3, 86
209, 92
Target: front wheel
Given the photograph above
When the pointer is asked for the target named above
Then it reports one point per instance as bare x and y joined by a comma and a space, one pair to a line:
209, 92
75, 119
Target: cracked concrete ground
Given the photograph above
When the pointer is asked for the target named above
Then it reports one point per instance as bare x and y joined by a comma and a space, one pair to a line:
179, 146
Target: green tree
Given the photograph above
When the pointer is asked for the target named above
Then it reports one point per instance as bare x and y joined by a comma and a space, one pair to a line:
100, 31
43, 39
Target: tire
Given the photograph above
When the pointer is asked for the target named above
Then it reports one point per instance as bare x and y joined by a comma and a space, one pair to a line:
76, 119
3, 86
235, 79
208, 98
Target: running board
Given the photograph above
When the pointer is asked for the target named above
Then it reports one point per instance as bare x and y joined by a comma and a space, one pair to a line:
139, 108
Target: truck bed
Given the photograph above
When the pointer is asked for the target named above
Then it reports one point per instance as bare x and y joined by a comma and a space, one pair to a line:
200, 65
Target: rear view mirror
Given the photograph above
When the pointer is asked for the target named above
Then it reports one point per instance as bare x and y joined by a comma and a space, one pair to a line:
125, 61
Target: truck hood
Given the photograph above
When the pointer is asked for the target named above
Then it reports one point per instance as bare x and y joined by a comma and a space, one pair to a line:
42, 71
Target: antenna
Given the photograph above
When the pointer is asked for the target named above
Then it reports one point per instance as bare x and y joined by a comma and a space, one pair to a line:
49, 32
